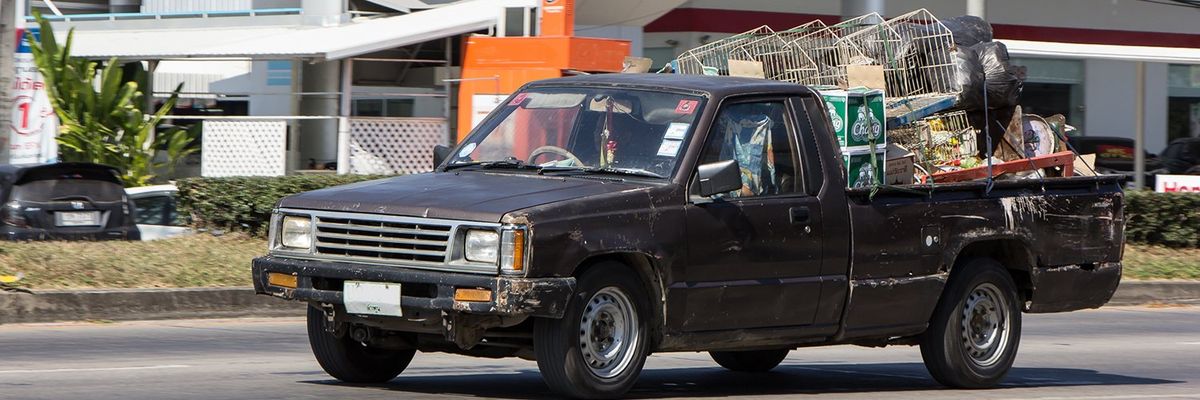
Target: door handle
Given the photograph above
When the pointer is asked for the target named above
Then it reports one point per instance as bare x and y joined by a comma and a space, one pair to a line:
799, 215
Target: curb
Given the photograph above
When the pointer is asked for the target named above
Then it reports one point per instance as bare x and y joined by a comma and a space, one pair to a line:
1130, 293
141, 304
147, 304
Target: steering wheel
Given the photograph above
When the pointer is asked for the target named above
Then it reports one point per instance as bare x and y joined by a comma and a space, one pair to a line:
556, 151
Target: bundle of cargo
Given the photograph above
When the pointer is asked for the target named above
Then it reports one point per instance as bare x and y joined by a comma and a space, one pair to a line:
857, 118
759, 52
947, 82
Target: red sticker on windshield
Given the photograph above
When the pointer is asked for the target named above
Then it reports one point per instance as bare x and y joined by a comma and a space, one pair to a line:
518, 99
686, 106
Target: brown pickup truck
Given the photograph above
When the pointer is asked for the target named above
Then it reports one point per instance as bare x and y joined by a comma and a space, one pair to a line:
591, 221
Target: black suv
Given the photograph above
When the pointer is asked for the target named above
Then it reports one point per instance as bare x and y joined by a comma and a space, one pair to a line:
65, 201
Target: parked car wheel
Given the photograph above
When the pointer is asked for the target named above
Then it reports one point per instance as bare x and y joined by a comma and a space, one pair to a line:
749, 361
973, 337
351, 361
598, 348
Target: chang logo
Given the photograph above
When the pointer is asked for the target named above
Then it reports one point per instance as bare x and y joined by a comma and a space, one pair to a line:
860, 126
834, 117
876, 126
866, 176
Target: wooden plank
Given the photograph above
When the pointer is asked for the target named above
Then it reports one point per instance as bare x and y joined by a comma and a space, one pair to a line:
1065, 159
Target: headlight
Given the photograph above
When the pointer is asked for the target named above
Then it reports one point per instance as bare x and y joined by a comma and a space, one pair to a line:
296, 232
482, 246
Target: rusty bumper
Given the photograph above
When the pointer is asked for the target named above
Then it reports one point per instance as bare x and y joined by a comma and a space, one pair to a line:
1073, 287
321, 282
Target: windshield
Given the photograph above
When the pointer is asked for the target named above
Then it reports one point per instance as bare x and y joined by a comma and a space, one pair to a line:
586, 129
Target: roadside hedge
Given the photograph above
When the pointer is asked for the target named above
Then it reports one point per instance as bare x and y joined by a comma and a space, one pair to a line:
245, 203
1167, 219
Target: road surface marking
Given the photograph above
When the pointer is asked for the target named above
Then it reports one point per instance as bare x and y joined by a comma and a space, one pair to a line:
1120, 397
1198, 343
48, 371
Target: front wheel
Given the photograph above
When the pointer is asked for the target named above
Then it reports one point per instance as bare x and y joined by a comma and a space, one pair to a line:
351, 361
598, 348
973, 336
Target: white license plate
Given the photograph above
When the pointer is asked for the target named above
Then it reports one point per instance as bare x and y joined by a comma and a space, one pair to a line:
373, 298
77, 218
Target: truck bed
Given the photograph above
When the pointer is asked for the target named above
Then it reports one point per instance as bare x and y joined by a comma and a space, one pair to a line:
1064, 234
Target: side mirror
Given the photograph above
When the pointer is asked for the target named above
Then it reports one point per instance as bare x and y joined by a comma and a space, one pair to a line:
440, 153
719, 177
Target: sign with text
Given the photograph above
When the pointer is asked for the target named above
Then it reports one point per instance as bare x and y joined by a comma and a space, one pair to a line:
1177, 184
32, 124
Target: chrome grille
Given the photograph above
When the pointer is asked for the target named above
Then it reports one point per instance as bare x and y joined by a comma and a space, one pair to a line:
382, 241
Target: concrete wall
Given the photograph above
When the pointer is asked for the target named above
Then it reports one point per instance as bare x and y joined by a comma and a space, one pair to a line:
1110, 100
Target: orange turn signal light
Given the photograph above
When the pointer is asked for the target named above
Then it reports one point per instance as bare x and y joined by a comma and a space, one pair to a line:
472, 294
282, 280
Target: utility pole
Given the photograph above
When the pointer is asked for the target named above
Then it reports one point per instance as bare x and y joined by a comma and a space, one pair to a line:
855, 8
8, 43
977, 8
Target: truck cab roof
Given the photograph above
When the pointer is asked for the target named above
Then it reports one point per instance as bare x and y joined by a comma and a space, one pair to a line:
714, 86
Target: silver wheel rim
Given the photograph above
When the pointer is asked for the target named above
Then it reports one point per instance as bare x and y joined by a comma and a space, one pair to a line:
985, 325
608, 333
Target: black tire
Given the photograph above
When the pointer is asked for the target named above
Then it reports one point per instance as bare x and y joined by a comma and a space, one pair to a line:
571, 368
749, 361
350, 361
970, 308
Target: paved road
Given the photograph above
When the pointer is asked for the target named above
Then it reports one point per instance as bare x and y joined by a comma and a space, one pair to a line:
1115, 353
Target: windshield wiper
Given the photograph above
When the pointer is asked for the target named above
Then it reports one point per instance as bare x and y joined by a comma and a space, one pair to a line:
511, 162
607, 170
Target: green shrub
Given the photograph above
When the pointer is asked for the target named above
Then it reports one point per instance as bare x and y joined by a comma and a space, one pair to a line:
245, 203
1168, 219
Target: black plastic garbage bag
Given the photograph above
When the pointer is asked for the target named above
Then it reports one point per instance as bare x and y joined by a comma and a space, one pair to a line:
968, 73
968, 30
1003, 85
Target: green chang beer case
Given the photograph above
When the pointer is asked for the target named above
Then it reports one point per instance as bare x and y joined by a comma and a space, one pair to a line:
857, 117
864, 168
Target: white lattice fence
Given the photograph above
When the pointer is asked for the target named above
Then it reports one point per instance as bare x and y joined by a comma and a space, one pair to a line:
244, 148
394, 145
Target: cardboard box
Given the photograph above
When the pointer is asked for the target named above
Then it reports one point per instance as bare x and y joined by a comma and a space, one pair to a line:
864, 167
899, 170
857, 116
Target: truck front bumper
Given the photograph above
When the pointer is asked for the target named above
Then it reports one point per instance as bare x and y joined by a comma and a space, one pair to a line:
321, 282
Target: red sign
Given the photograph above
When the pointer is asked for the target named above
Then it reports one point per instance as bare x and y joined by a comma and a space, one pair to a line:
518, 99
686, 106
1177, 184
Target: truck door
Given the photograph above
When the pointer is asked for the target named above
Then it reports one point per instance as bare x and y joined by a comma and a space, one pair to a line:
754, 255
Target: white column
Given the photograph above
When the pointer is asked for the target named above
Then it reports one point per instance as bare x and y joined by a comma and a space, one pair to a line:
1139, 137
977, 8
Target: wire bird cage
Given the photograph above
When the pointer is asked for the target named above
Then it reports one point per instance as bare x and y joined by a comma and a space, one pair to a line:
823, 45
780, 60
938, 139
915, 50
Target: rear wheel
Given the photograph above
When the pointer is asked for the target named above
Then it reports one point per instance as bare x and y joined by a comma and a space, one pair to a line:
598, 348
351, 361
749, 361
973, 336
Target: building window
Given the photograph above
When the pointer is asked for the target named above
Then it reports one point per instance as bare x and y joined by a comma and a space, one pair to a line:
382, 108
1052, 87
1183, 103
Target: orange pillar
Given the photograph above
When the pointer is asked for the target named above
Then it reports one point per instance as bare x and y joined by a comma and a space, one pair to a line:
498, 66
